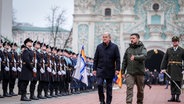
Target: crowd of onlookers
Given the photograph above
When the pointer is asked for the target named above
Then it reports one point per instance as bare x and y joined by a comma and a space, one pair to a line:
155, 77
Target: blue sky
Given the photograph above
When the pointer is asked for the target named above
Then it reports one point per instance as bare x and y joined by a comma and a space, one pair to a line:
36, 11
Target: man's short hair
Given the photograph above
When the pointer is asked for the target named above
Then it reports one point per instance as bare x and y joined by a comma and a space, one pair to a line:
107, 33
136, 34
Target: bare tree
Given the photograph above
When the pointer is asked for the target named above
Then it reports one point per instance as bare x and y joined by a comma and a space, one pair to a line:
68, 40
56, 21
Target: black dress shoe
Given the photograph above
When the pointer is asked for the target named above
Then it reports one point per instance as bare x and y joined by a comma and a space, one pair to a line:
48, 96
1, 96
41, 97
25, 99
13, 94
7, 95
53, 95
33, 98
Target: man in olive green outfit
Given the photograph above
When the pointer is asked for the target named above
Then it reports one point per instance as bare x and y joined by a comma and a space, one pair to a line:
134, 66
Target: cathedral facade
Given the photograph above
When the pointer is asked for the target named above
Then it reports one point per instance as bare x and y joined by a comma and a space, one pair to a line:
155, 20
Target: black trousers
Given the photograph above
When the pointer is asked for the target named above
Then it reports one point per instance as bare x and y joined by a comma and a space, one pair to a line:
42, 86
54, 87
32, 86
5, 85
12, 83
108, 86
174, 89
23, 86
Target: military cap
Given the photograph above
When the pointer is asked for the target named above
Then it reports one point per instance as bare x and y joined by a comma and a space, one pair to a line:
1, 41
13, 44
65, 50
47, 46
43, 44
23, 46
27, 40
175, 38
36, 42
58, 50
6, 43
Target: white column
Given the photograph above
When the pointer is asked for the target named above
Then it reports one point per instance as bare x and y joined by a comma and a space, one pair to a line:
6, 18
91, 43
75, 37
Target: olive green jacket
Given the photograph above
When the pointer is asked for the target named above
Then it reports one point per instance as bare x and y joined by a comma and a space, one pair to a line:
137, 66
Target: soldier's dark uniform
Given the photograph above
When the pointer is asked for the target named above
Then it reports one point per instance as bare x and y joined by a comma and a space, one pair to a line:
58, 75
36, 61
62, 86
172, 62
52, 76
44, 76
27, 70
1, 63
19, 69
6, 70
13, 56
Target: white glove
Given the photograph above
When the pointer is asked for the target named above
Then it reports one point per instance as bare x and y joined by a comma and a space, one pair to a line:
59, 73
49, 69
53, 72
42, 70
34, 70
0, 59
63, 72
14, 69
7, 68
36, 61
19, 69
182, 72
43, 61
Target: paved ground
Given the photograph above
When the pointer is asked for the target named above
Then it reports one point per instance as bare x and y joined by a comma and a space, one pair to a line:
157, 95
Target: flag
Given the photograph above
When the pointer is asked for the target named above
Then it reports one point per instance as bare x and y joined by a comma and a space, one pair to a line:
81, 72
119, 79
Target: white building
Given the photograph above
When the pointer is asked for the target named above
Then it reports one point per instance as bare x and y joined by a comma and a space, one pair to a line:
6, 18
155, 20
20, 33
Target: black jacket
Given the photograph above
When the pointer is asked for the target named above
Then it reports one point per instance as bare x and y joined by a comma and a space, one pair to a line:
27, 67
106, 60
137, 66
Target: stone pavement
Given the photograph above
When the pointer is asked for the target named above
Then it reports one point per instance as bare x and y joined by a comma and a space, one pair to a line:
157, 95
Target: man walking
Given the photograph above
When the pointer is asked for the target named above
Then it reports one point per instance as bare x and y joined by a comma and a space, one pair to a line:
172, 62
106, 65
134, 66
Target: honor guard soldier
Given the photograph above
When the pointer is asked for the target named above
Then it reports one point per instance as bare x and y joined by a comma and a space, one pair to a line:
62, 86
19, 69
1, 62
13, 68
53, 79
6, 68
28, 69
43, 79
48, 71
172, 62
67, 67
36, 64
58, 72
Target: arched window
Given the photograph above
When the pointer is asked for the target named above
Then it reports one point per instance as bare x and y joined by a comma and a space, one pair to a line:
107, 12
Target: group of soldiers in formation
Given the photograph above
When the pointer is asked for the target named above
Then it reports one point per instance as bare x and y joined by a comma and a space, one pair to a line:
48, 66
